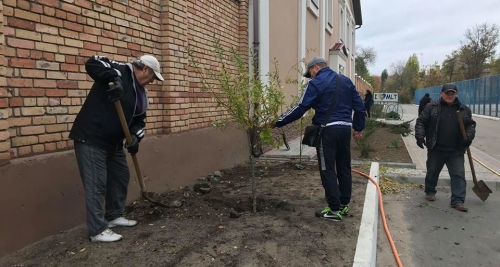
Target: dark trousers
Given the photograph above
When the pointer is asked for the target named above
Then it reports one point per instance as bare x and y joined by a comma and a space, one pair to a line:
334, 160
454, 161
105, 177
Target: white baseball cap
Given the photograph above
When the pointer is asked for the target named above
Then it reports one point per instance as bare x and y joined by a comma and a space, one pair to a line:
153, 64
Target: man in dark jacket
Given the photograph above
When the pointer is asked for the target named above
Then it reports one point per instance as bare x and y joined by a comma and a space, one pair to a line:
334, 152
98, 137
423, 102
438, 129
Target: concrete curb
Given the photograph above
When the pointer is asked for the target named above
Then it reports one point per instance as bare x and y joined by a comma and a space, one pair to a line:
442, 181
486, 117
366, 248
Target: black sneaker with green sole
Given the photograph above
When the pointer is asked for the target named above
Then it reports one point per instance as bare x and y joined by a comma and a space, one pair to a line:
327, 213
344, 210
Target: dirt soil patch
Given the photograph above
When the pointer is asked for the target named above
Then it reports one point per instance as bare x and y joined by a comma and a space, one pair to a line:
386, 145
218, 228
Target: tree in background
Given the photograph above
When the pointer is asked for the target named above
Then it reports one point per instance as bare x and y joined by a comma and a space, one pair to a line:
453, 69
365, 57
431, 76
383, 79
479, 46
494, 66
410, 74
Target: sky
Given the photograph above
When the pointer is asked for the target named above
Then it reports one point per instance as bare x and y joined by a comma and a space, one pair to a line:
431, 29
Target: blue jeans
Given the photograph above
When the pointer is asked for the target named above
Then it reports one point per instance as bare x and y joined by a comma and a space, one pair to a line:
105, 177
334, 160
454, 161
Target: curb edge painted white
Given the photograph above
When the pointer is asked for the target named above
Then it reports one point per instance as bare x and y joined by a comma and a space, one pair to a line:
366, 248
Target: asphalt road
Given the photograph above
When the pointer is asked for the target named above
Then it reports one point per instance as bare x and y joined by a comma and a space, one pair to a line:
434, 235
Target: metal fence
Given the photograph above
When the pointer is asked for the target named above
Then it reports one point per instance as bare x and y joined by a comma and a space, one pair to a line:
482, 95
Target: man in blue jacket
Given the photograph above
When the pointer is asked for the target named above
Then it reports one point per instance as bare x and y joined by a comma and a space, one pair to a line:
334, 152
98, 138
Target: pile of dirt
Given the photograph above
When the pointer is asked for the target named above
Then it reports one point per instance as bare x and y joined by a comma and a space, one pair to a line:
211, 223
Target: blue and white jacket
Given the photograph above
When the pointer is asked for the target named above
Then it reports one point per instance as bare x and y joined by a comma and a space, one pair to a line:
319, 95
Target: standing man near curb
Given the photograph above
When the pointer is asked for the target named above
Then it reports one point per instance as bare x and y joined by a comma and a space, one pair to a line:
438, 129
98, 138
334, 152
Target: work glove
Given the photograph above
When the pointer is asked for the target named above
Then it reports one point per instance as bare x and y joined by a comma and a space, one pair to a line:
116, 92
466, 143
134, 147
421, 143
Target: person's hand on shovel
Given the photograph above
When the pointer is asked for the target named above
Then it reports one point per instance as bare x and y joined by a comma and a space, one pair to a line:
115, 93
134, 147
466, 143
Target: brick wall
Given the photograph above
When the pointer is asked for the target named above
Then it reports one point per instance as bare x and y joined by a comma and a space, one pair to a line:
4, 101
47, 42
362, 86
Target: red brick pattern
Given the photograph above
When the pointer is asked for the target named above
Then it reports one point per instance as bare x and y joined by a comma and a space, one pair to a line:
4, 97
45, 44
362, 86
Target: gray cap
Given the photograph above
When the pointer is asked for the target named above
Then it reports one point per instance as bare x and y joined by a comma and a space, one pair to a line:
311, 63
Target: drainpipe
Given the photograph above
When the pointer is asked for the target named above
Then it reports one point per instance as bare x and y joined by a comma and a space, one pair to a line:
256, 40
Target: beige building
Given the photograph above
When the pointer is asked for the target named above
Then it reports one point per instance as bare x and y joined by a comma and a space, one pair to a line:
294, 30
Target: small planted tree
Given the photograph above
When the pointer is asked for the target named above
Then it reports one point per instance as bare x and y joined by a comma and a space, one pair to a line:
239, 91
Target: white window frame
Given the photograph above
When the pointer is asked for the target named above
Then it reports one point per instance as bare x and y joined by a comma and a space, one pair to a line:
313, 7
353, 38
329, 16
342, 25
348, 38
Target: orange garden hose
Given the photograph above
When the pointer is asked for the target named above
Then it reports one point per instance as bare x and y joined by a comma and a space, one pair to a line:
382, 214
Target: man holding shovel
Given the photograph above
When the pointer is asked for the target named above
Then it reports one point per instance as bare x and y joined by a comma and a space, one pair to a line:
98, 137
438, 129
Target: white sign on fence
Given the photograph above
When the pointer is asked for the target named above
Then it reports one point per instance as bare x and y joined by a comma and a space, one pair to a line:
385, 97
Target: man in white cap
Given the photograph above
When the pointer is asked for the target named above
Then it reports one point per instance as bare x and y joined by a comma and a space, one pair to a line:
98, 137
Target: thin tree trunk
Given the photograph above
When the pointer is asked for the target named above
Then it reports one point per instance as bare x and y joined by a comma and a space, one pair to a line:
254, 185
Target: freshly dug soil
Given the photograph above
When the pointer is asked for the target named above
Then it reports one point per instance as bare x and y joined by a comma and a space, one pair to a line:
217, 227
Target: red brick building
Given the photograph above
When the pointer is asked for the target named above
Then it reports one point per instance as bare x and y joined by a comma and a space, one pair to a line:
43, 47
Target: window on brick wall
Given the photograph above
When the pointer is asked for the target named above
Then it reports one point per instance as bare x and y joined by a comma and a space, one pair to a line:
329, 16
313, 6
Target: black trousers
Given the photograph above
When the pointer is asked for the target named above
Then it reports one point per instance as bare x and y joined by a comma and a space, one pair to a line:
334, 160
105, 177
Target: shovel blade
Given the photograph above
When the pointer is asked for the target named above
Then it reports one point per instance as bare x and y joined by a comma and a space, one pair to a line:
482, 190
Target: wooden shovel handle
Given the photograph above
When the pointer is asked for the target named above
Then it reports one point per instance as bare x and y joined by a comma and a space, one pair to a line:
128, 137
464, 135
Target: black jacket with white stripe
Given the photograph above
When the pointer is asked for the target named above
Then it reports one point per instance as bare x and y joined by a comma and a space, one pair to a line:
97, 123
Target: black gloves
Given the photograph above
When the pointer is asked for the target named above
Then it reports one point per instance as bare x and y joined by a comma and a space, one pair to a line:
134, 147
421, 143
466, 143
116, 92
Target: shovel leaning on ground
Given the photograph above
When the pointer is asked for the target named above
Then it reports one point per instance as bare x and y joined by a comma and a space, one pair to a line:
480, 188
126, 131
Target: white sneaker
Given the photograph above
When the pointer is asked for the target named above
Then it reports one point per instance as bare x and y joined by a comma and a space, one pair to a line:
121, 221
106, 236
